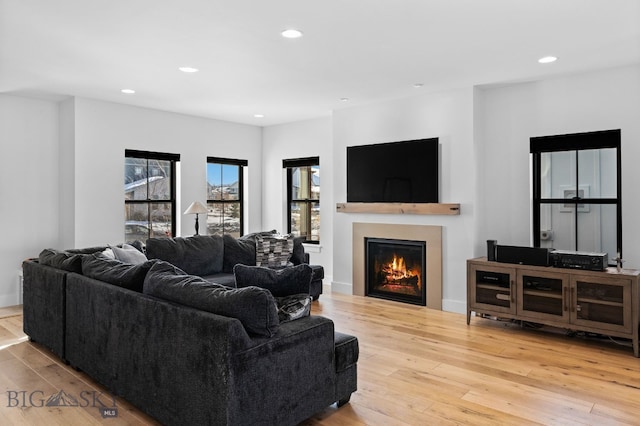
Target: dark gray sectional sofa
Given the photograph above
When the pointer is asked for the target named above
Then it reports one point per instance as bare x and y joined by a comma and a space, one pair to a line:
183, 349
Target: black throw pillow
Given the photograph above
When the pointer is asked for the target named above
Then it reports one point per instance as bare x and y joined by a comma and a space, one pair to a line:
254, 307
237, 251
113, 271
58, 259
280, 282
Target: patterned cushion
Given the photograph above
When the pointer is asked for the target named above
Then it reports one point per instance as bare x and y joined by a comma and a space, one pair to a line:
293, 307
274, 251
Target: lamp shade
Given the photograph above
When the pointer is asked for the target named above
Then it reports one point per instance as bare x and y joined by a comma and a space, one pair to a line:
195, 208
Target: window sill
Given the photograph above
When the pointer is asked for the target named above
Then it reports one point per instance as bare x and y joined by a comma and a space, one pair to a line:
312, 248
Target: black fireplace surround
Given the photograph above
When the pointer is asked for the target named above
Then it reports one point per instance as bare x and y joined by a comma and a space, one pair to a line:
396, 270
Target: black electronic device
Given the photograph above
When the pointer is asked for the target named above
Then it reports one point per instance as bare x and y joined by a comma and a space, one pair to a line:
491, 250
395, 172
579, 260
535, 256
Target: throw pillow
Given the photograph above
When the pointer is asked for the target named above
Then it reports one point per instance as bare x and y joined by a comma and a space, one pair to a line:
254, 307
61, 260
128, 254
113, 271
298, 255
293, 307
280, 282
274, 251
108, 252
238, 251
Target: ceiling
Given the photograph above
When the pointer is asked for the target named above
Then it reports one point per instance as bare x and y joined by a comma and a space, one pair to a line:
363, 50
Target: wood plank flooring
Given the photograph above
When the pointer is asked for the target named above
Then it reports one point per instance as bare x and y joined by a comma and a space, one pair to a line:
417, 367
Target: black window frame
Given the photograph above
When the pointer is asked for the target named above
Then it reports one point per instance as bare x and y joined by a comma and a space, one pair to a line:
289, 165
230, 162
151, 156
576, 142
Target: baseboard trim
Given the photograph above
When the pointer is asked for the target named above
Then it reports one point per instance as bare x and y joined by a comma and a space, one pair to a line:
344, 288
456, 306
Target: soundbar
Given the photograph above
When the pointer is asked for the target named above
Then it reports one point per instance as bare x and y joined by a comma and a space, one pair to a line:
535, 256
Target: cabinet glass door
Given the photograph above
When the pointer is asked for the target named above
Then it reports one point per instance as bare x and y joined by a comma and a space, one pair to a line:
543, 295
493, 288
601, 302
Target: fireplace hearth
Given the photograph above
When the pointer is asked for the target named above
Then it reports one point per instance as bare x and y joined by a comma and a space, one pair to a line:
395, 270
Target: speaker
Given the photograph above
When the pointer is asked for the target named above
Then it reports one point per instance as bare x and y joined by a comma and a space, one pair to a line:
491, 250
523, 255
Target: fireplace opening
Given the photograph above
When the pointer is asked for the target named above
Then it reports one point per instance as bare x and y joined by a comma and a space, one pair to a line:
396, 270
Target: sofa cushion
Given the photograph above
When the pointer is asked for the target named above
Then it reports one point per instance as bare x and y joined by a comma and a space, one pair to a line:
297, 256
116, 272
293, 307
254, 307
274, 250
128, 254
237, 251
58, 259
196, 255
280, 282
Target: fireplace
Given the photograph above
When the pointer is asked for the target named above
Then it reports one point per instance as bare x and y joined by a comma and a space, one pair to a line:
430, 235
395, 270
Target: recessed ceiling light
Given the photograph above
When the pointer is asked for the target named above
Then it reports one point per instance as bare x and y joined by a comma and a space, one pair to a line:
418, 85
547, 59
258, 115
128, 91
188, 69
344, 99
291, 33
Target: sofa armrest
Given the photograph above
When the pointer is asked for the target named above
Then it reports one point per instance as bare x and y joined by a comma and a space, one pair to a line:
44, 305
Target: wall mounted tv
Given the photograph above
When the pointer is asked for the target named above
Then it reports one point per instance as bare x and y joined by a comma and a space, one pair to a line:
395, 172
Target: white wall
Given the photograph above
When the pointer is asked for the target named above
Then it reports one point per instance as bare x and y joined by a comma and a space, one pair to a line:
75, 198
104, 130
297, 140
28, 186
446, 115
509, 116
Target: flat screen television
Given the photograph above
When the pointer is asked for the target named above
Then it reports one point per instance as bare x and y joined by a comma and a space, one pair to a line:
394, 172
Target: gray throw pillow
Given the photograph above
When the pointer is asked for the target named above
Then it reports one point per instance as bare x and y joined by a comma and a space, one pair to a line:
293, 307
254, 307
280, 282
128, 254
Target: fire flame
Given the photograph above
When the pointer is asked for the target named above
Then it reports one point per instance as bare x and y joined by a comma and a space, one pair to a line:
397, 270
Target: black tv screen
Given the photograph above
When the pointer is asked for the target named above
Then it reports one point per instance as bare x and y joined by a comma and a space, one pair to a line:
395, 172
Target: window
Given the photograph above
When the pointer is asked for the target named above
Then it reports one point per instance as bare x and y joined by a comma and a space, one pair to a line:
577, 192
149, 194
303, 197
225, 196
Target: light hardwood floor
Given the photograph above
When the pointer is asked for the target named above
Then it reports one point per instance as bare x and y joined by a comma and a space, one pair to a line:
417, 367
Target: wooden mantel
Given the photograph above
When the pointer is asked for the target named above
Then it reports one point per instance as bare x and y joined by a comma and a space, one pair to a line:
399, 208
